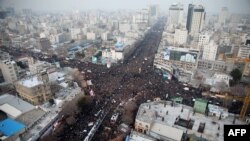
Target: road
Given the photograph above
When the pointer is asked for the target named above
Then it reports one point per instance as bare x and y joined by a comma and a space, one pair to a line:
135, 76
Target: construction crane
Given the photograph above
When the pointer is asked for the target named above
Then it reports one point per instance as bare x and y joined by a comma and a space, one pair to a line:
245, 104
247, 97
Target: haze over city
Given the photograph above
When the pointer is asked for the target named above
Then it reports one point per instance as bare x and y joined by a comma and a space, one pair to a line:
124, 70
212, 6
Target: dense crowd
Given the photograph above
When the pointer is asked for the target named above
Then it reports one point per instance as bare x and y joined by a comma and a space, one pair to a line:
135, 78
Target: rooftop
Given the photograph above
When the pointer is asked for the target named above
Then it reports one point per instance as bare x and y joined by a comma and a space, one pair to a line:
182, 117
31, 116
13, 105
136, 136
30, 82
10, 127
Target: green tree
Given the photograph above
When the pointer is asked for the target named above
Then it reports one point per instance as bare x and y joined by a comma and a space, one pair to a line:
236, 74
85, 103
51, 101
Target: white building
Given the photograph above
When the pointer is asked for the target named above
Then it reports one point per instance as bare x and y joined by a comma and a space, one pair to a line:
218, 78
223, 16
175, 14
14, 106
141, 17
75, 32
165, 120
124, 27
105, 36
204, 39
180, 36
244, 52
10, 70
91, 36
210, 51
195, 19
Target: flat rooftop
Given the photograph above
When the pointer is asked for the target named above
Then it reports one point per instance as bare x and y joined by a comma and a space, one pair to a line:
213, 127
136, 136
14, 106
30, 82
10, 127
31, 116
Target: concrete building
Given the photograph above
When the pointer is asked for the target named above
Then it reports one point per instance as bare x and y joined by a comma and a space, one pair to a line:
124, 27
223, 16
62, 37
36, 66
11, 72
14, 106
180, 36
154, 10
105, 36
244, 52
172, 58
175, 14
210, 51
91, 36
165, 120
219, 66
45, 44
218, 79
141, 17
195, 18
204, 39
35, 89
4, 56
137, 136
75, 32
116, 54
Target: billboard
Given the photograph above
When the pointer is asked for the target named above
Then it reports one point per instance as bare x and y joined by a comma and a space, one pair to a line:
178, 55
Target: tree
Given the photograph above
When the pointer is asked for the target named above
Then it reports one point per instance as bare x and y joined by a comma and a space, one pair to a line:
22, 65
236, 74
85, 103
51, 101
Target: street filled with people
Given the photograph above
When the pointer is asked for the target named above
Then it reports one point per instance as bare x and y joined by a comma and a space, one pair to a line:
134, 79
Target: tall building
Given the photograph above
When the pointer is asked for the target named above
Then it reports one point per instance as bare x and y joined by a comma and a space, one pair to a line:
175, 15
141, 17
223, 16
35, 89
210, 51
195, 18
154, 10
9, 68
204, 39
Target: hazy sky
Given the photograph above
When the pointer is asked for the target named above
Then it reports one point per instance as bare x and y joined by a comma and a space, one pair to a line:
236, 6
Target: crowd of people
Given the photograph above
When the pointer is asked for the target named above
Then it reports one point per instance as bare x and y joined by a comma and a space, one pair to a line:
134, 79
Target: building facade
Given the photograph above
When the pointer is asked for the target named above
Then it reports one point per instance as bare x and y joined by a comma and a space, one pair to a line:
223, 16
175, 15
35, 89
195, 18
210, 51
244, 52
180, 36
10, 70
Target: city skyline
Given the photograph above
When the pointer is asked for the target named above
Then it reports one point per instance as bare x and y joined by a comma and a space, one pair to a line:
234, 6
